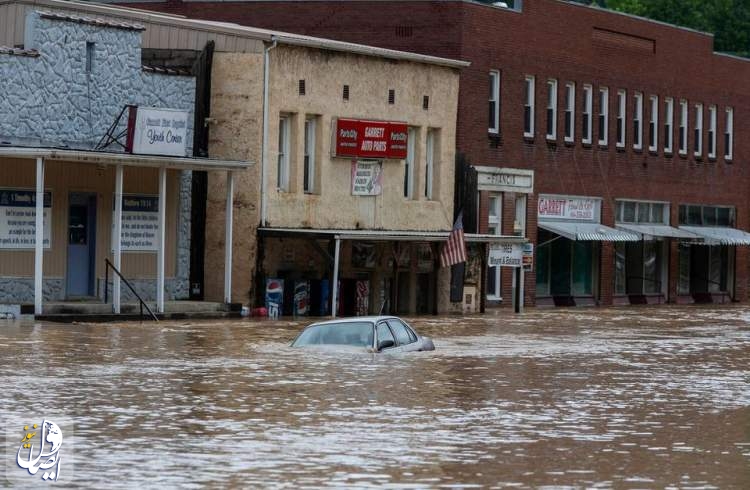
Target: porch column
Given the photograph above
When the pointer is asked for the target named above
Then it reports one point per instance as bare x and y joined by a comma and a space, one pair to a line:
162, 235
335, 295
39, 237
228, 238
117, 240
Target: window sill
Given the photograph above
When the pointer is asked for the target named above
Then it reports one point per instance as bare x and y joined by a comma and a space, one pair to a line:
528, 138
603, 146
668, 154
683, 155
586, 145
620, 149
638, 150
728, 160
712, 159
653, 153
570, 142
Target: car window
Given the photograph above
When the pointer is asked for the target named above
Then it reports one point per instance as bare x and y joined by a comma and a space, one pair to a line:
400, 331
384, 333
358, 334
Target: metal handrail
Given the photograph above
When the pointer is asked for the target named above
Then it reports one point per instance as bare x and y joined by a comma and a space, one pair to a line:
109, 264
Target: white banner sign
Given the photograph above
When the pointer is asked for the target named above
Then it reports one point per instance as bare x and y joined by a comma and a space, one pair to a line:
160, 132
367, 178
506, 255
577, 208
18, 219
140, 223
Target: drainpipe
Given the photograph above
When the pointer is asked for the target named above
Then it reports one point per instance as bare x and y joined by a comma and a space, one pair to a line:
264, 148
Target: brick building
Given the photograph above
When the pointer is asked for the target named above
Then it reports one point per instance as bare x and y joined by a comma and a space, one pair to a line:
633, 130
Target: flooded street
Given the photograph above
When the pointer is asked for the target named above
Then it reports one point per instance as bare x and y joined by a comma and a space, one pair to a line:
616, 398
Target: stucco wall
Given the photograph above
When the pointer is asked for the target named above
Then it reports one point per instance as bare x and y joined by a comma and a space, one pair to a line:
369, 80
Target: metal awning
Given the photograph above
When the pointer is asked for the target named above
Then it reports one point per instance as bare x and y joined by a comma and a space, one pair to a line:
588, 232
385, 235
719, 235
652, 231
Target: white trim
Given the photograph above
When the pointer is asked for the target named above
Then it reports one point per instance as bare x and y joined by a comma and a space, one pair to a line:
638, 119
228, 221
552, 106
604, 112
282, 154
162, 240
528, 104
712, 131
729, 131
698, 130
684, 125
39, 238
653, 122
668, 125
429, 163
588, 108
309, 155
494, 99
570, 111
117, 239
622, 115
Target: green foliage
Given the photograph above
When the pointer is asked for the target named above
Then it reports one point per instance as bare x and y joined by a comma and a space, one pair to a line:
728, 20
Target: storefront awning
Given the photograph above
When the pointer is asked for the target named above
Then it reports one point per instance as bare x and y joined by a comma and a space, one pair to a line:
719, 235
588, 232
649, 232
384, 235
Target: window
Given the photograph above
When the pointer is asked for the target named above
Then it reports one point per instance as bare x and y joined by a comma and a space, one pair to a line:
729, 134
621, 115
399, 330
302, 90
384, 334
519, 224
653, 125
668, 122
587, 114
411, 144
426, 102
712, 131
528, 108
282, 166
698, 143
603, 116
429, 163
391, 96
637, 122
551, 109
494, 119
697, 215
642, 212
90, 48
309, 170
683, 127
494, 227
345, 94
570, 111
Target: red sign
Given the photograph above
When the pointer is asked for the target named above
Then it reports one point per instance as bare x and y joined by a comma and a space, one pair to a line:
371, 139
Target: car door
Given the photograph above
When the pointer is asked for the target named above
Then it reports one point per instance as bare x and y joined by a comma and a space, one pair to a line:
407, 342
383, 334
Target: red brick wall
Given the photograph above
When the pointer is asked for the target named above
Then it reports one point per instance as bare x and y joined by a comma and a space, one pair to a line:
552, 39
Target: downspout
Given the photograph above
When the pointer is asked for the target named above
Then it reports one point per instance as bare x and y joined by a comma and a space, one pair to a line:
264, 148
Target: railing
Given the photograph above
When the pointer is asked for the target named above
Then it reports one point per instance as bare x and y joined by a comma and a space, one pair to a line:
109, 264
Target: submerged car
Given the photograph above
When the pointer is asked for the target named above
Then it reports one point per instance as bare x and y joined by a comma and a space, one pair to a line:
372, 333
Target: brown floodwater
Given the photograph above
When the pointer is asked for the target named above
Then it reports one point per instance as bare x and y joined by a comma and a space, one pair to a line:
618, 398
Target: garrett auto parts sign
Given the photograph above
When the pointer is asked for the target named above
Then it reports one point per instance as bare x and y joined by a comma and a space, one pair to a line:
371, 139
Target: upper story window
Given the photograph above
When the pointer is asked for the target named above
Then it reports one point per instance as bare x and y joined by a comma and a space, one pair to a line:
729, 134
603, 116
528, 107
429, 174
698, 143
90, 50
653, 123
698, 215
683, 126
282, 164
494, 115
309, 163
551, 109
712, 131
621, 117
642, 212
588, 102
570, 111
638, 121
411, 153
668, 123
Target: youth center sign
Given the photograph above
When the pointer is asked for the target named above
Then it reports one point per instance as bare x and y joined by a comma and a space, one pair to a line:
371, 139
18, 218
154, 131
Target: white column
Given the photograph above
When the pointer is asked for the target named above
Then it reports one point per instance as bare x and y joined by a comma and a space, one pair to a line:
162, 235
117, 240
521, 280
335, 295
228, 239
39, 236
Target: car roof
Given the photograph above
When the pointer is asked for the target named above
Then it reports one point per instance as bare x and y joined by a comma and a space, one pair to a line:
369, 319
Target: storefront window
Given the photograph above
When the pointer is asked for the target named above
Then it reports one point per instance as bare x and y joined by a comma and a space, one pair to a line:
542, 263
583, 254
683, 284
620, 276
494, 228
651, 267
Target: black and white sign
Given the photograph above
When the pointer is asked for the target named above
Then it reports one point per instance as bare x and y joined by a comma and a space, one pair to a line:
18, 219
160, 132
140, 223
506, 255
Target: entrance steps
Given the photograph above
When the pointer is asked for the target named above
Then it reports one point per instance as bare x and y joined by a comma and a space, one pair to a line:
75, 311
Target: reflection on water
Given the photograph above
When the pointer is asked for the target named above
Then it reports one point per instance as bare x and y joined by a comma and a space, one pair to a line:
625, 398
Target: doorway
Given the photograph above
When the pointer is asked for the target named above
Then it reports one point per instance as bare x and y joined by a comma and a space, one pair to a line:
80, 281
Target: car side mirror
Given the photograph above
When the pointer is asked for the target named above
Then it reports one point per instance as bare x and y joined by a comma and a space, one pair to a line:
384, 344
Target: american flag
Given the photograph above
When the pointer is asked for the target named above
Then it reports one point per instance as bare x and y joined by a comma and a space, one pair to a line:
454, 250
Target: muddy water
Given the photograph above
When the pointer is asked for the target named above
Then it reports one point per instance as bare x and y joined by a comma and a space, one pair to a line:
622, 398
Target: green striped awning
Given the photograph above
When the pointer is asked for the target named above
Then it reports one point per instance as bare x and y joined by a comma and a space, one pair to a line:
591, 232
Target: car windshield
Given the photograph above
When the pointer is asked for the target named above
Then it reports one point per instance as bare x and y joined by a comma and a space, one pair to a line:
357, 334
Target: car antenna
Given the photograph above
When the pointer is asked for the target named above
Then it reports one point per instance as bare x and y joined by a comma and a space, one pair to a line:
382, 306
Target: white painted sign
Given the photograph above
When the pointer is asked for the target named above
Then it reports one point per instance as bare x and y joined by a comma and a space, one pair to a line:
569, 208
367, 178
505, 179
140, 223
160, 132
18, 219
506, 255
